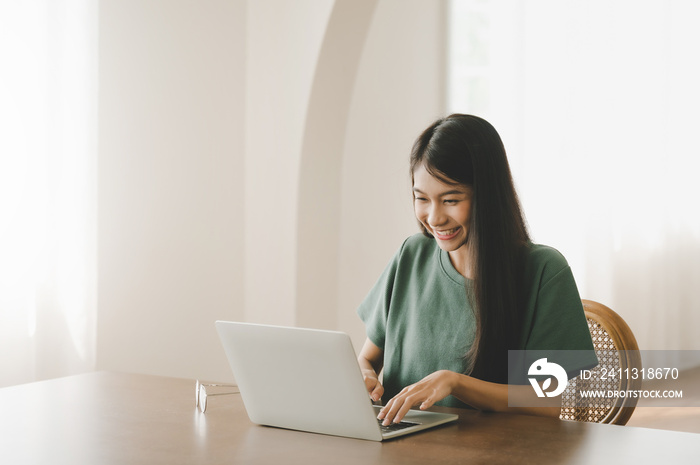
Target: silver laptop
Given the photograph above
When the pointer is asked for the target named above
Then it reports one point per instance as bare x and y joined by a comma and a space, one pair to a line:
308, 380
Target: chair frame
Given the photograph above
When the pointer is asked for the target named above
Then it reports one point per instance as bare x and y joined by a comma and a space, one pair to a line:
628, 350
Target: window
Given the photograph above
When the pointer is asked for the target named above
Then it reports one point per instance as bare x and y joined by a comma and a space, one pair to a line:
47, 188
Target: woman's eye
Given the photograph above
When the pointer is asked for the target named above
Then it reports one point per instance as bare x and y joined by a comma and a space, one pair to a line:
451, 201
420, 199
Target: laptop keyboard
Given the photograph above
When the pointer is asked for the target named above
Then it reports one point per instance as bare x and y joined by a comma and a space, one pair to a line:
396, 426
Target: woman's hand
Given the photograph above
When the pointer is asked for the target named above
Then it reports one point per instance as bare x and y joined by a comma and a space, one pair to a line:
371, 360
374, 387
433, 388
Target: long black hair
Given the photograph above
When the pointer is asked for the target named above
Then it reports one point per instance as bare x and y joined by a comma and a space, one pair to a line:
467, 150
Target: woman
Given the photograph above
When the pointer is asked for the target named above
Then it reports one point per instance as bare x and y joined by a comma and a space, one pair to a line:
454, 300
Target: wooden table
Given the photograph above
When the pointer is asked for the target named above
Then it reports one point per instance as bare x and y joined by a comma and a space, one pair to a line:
115, 418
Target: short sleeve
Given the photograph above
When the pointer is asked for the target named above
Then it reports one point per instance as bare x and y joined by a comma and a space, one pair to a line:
374, 310
558, 320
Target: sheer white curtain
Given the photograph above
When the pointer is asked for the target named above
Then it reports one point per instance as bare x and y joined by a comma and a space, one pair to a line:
597, 103
47, 188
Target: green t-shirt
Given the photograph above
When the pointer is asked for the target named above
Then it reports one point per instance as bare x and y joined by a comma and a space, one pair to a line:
419, 315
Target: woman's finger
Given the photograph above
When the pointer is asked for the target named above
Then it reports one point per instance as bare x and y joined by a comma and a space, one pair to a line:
377, 392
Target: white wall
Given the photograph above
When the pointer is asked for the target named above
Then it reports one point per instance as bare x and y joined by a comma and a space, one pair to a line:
283, 44
252, 166
170, 183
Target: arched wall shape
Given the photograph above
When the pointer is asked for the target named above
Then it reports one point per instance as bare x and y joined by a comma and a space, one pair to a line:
318, 222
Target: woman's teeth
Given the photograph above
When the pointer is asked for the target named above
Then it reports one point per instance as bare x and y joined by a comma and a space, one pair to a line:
448, 232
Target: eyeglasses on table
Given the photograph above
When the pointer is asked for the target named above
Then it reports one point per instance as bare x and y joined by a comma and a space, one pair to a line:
201, 394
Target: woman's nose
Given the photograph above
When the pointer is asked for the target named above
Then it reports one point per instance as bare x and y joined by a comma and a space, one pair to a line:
436, 216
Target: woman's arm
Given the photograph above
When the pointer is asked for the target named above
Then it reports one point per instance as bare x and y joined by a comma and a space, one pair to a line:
371, 360
479, 394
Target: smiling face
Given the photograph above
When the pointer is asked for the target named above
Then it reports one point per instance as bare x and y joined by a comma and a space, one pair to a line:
443, 209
